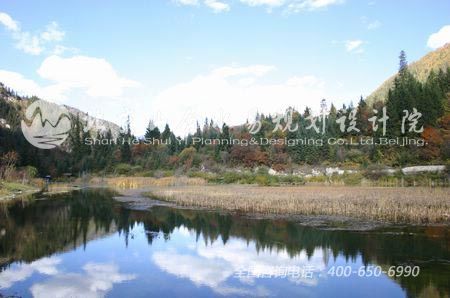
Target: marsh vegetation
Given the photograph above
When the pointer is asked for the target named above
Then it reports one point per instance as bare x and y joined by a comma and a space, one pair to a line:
398, 205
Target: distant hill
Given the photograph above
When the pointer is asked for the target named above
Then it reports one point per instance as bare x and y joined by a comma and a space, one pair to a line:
438, 59
12, 108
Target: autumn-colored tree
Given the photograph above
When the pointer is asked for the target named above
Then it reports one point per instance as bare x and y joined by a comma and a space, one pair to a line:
139, 150
433, 140
249, 156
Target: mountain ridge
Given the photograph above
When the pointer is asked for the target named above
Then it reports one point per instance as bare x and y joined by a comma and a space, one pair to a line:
420, 69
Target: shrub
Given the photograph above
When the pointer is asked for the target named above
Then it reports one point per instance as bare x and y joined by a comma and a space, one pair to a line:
148, 174
31, 172
123, 169
356, 155
136, 169
291, 179
161, 174
352, 179
231, 177
263, 180
319, 179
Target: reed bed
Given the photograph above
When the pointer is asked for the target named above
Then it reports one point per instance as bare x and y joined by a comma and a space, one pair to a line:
397, 205
141, 182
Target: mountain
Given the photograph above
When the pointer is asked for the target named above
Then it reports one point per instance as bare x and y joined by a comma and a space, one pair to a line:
13, 106
95, 124
436, 60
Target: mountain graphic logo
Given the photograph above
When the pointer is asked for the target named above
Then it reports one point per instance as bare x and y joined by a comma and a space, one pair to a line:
46, 125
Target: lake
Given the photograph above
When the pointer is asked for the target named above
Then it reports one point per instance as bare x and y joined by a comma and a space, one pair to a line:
86, 244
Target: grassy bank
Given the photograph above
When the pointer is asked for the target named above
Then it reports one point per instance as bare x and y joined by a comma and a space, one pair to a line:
10, 190
397, 205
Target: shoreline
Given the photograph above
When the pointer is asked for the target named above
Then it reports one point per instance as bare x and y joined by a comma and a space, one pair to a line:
370, 206
18, 195
31, 190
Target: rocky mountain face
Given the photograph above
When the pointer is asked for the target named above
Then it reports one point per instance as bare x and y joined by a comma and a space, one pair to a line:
95, 124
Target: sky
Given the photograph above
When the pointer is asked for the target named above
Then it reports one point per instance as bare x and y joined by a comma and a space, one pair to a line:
179, 61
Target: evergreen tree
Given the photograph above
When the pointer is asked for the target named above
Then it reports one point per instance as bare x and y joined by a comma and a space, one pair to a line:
125, 149
403, 63
152, 131
225, 135
362, 116
198, 134
166, 133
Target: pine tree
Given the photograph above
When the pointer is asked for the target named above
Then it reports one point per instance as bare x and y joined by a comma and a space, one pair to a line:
166, 133
198, 134
362, 116
225, 135
403, 63
125, 149
152, 131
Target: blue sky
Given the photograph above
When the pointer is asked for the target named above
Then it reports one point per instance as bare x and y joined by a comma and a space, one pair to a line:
179, 61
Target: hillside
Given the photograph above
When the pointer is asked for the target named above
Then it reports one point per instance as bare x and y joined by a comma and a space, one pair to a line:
436, 60
13, 106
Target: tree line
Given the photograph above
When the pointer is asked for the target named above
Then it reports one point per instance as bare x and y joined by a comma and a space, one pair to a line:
430, 98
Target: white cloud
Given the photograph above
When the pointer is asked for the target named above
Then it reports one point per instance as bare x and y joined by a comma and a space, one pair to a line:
291, 6
8, 22
310, 5
33, 44
439, 38
187, 2
232, 95
305, 81
255, 70
270, 3
59, 50
371, 24
201, 271
30, 44
354, 45
217, 6
23, 271
95, 76
53, 33
97, 280
27, 87
216, 265
374, 25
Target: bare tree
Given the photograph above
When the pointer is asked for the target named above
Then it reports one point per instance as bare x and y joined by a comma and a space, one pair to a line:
7, 164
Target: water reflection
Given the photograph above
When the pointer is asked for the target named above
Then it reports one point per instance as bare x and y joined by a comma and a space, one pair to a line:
217, 264
23, 271
87, 245
96, 280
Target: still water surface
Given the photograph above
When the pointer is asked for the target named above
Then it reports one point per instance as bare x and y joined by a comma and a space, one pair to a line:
85, 244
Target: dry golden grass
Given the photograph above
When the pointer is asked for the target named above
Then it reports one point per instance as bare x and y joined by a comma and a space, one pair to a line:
409, 205
140, 182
